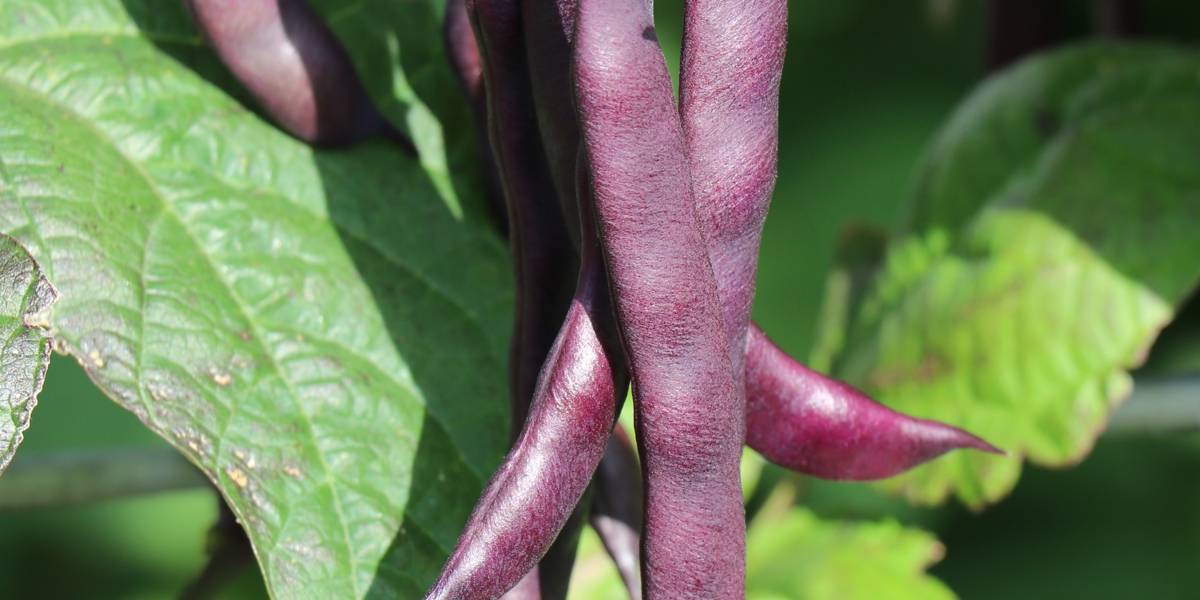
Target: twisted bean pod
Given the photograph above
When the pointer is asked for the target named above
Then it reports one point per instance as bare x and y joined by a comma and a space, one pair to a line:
690, 414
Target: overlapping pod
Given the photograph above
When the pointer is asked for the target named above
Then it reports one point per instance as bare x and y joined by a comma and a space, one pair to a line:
617, 509
690, 412
538, 485
294, 66
730, 69
544, 261
550, 27
463, 54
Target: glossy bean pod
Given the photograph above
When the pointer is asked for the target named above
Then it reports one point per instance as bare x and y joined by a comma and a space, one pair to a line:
535, 490
802, 420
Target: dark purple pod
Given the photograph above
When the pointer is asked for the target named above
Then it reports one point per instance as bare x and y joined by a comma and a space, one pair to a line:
294, 66
549, 27
690, 413
802, 420
467, 65
533, 494
730, 69
544, 260
617, 508
557, 565
463, 53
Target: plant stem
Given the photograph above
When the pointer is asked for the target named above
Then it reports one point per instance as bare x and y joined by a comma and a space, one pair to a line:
1159, 405
1016, 28
72, 477
229, 554
1116, 19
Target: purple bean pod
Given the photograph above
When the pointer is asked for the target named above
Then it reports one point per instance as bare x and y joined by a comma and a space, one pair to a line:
536, 489
465, 62
802, 420
544, 262
550, 27
617, 509
730, 68
690, 414
294, 66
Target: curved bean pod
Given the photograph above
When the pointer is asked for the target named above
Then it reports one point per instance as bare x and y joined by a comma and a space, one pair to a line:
550, 27
690, 414
467, 65
542, 479
294, 66
802, 420
730, 71
729, 75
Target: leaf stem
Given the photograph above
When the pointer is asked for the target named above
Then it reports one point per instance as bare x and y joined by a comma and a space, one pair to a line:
1159, 405
51, 479
229, 554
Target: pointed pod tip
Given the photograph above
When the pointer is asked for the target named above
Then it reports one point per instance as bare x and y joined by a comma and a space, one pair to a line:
970, 441
980, 444
807, 422
952, 438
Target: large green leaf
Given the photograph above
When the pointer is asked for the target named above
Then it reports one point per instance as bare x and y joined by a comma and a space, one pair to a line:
316, 330
800, 557
25, 348
1051, 237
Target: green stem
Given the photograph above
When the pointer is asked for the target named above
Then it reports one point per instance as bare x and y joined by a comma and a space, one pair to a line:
1159, 405
60, 478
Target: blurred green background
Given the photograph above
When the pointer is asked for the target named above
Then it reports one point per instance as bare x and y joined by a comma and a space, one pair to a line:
865, 85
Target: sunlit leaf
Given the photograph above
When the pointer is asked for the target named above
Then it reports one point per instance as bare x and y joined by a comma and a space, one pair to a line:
800, 557
1050, 238
316, 330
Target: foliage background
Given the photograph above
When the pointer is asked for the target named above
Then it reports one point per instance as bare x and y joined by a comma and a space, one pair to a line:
866, 84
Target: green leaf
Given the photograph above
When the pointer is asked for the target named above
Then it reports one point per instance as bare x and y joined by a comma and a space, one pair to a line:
1051, 238
797, 556
315, 330
399, 52
800, 557
25, 295
396, 48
